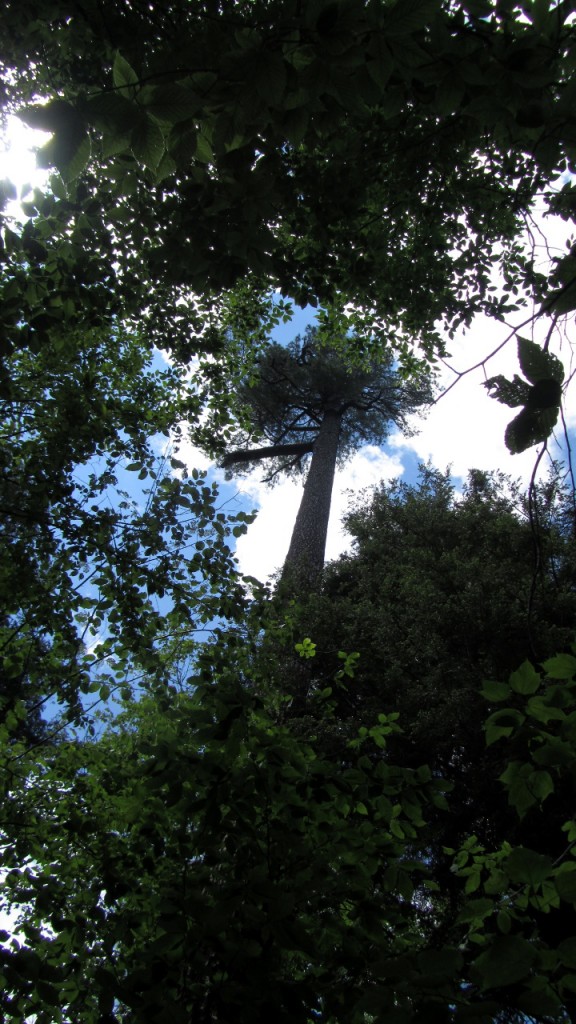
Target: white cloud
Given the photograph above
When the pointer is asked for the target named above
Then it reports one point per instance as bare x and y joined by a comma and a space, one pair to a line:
188, 453
465, 429
263, 548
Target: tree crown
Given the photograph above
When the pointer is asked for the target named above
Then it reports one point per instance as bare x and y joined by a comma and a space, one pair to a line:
296, 386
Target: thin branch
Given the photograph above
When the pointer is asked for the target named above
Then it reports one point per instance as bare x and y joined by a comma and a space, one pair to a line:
284, 468
482, 362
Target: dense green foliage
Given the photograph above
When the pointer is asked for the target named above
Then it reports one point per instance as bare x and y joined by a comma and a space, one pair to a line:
384, 155
438, 596
205, 865
96, 526
440, 593
204, 860
183, 841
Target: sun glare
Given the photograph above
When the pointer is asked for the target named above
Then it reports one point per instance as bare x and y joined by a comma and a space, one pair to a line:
18, 156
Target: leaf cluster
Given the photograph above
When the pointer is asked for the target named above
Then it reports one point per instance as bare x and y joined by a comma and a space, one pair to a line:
541, 397
106, 549
223, 850
212, 147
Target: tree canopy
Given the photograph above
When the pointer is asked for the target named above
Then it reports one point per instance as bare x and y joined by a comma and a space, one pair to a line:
439, 594
293, 386
189, 833
97, 526
204, 858
382, 155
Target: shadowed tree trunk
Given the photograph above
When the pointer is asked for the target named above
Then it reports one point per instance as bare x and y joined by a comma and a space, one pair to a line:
305, 558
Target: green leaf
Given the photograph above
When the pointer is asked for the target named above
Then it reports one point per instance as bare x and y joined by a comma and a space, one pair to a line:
478, 8
440, 963
475, 910
70, 154
58, 187
268, 72
508, 960
554, 753
496, 883
561, 666
567, 951
147, 142
27, 963
112, 112
306, 649
525, 865
539, 708
542, 1004
203, 149
172, 102
545, 394
504, 922
494, 691
536, 364
165, 168
380, 62
525, 785
56, 116
529, 428
449, 95
541, 784
566, 882
526, 679
407, 16
502, 724
509, 392
123, 75
561, 301
295, 124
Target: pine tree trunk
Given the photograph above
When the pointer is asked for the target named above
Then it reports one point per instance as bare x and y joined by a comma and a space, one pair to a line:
305, 558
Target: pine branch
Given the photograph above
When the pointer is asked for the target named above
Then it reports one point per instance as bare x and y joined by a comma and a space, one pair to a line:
258, 454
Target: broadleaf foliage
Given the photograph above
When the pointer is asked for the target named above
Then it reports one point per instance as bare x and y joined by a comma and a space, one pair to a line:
343, 803
541, 398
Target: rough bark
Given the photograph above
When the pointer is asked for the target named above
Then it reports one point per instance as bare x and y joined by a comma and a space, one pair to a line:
257, 454
305, 558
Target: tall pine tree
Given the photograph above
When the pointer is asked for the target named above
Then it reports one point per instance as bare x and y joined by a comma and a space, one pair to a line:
314, 411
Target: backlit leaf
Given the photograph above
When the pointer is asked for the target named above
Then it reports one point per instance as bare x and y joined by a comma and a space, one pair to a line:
147, 142
529, 428
526, 679
536, 364
124, 76
561, 666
